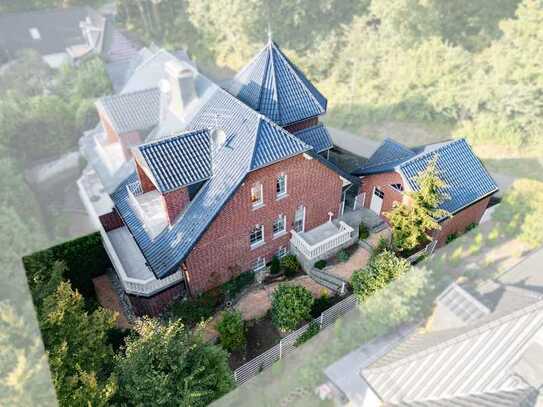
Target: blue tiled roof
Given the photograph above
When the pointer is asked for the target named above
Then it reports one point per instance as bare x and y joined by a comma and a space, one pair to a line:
386, 158
317, 137
180, 160
252, 142
273, 86
466, 178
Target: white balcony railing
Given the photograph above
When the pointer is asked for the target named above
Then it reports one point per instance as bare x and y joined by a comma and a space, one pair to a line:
326, 245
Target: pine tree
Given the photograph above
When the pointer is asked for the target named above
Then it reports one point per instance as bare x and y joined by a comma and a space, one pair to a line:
414, 220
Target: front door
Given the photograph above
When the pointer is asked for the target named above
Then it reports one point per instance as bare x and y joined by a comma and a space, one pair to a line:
377, 200
299, 219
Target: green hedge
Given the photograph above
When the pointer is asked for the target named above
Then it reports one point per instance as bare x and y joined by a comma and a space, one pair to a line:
85, 258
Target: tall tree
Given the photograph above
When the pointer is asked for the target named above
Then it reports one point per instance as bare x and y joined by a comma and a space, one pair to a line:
413, 221
165, 363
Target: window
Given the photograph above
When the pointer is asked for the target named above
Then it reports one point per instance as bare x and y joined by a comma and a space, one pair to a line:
377, 192
281, 252
256, 195
259, 265
397, 187
299, 219
281, 185
279, 226
256, 238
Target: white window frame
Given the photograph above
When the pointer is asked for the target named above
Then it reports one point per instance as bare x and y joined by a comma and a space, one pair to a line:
256, 243
282, 231
259, 265
281, 252
281, 194
259, 189
303, 219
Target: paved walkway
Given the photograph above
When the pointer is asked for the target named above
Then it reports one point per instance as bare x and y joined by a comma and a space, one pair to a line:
108, 298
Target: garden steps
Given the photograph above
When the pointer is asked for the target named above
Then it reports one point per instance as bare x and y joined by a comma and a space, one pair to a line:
327, 280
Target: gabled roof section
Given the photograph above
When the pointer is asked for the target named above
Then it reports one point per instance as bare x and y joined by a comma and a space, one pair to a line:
386, 158
178, 161
132, 111
467, 179
273, 86
475, 359
317, 137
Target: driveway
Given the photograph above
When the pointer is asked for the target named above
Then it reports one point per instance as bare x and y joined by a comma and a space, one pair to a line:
356, 144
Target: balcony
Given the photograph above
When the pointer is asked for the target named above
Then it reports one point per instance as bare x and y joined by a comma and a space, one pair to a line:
149, 207
322, 241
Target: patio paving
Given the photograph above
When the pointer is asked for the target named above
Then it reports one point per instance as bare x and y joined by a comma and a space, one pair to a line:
109, 299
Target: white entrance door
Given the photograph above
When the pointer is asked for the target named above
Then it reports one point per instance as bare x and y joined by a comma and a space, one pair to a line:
299, 219
377, 200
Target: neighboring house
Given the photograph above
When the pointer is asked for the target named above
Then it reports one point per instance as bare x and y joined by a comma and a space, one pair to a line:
483, 346
204, 183
64, 35
393, 168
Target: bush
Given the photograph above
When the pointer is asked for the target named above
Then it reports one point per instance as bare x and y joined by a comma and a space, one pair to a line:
320, 305
290, 265
291, 304
233, 287
275, 266
381, 269
320, 264
232, 331
363, 232
342, 256
312, 330
196, 310
451, 237
382, 245
85, 258
470, 227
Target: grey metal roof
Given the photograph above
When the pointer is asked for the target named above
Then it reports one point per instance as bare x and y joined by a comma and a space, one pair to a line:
475, 359
252, 142
178, 161
389, 154
462, 304
58, 29
273, 86
317, 137
138, 110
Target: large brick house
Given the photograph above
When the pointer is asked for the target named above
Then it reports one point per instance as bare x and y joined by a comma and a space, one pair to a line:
202, 183
393, 168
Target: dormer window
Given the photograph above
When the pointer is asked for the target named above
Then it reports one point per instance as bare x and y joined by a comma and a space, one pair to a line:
257, 195
397, 187
256, 237
281, 186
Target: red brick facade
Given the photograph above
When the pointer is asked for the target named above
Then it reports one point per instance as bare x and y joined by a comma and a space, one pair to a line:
383, 182
224, 250
175, 202
127, 140
302, 125
459, 222
146, 184
157, 303
111, 221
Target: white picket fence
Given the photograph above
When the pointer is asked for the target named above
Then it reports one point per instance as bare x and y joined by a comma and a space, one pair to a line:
286, 345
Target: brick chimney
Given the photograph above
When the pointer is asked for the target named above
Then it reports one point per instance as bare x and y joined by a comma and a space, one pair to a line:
175, 202
181, 90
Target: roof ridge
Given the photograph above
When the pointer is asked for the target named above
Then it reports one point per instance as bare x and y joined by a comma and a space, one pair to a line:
390, 140
172, 138
121, 95
296, 74
472, 331
423, 154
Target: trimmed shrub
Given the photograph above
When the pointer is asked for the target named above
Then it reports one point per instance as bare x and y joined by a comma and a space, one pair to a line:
451, 237
381, 269
312, 330
291, 304
320, 264
85, 258
275, 265
382, 245
232, 330
236, 285
342, 256
363, 232
290, 265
